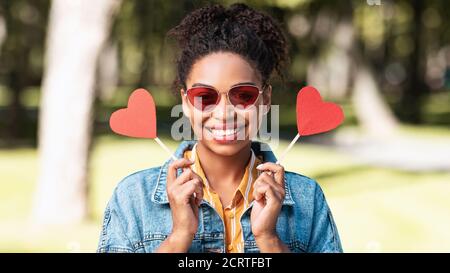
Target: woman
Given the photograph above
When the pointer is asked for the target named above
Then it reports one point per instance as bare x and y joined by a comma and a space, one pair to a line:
225, 193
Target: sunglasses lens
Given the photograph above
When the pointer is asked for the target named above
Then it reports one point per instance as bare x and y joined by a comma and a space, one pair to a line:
244, 95
202, 97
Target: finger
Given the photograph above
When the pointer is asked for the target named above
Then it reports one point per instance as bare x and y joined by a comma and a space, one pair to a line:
259, 191
266, 178
272, 197
277, 169
175, 165
274, 185
186, 190
262, 189
185, 176
194, 205
198, 191
195, 186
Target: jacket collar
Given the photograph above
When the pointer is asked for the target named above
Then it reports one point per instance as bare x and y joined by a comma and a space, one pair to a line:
159, 194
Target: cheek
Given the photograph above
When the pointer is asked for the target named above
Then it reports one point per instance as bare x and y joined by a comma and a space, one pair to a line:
253, 126
251, 120
197, 121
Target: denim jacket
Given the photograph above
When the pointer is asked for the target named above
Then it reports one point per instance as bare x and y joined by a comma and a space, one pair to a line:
138, 217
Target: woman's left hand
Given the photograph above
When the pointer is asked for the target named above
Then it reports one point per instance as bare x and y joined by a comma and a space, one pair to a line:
268, 192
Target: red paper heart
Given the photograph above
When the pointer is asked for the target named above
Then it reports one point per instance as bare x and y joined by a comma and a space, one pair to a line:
138, 119
314, 116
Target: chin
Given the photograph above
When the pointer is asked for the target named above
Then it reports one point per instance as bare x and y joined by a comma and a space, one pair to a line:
224, 143
225, 149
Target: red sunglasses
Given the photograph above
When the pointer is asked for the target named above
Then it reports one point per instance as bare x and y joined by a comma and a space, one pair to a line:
205, 98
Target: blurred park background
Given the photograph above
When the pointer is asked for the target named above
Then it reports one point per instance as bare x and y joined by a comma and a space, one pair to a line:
66, 65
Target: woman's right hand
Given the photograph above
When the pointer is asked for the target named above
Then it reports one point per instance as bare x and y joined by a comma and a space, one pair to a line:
183, 204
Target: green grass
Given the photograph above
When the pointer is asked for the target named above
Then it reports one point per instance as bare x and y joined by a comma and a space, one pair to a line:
375, 209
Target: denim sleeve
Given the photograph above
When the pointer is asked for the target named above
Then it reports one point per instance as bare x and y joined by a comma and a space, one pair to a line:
324, 234
113, 237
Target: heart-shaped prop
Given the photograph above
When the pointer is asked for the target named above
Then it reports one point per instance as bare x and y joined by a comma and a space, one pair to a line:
138, 119
314, 116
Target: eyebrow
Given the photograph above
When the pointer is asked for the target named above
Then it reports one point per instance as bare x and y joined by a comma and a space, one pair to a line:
206, 85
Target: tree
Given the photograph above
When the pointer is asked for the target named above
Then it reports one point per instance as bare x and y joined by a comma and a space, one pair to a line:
21, 40
416, 90
76, 34
345, 66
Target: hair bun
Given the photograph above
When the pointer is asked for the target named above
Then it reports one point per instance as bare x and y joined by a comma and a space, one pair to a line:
267, 29
197, 21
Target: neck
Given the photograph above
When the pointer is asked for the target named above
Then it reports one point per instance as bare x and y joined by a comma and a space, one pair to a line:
223, 171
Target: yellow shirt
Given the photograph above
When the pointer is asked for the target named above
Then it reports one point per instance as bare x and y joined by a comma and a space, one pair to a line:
242, 197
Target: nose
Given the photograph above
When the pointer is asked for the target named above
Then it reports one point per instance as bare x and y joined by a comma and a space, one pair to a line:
224, 110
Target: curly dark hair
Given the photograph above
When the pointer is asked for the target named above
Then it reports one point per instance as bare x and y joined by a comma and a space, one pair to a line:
252, 34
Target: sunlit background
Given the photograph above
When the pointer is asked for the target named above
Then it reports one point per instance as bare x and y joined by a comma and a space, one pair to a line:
66, 65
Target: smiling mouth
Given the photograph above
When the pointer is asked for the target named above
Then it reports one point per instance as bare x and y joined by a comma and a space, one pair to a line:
229, 134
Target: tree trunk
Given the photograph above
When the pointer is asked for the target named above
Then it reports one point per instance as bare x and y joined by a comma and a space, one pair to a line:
416, 89
372, 112
108, 71
16, 71
77, 31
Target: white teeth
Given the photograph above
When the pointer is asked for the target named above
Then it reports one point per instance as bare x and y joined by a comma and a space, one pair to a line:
223, 132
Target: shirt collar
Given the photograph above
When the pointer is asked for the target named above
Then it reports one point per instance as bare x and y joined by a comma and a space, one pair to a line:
246, 181
159, 194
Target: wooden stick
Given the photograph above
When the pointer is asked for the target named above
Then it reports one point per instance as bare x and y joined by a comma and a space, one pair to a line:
165, 148
288, 148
